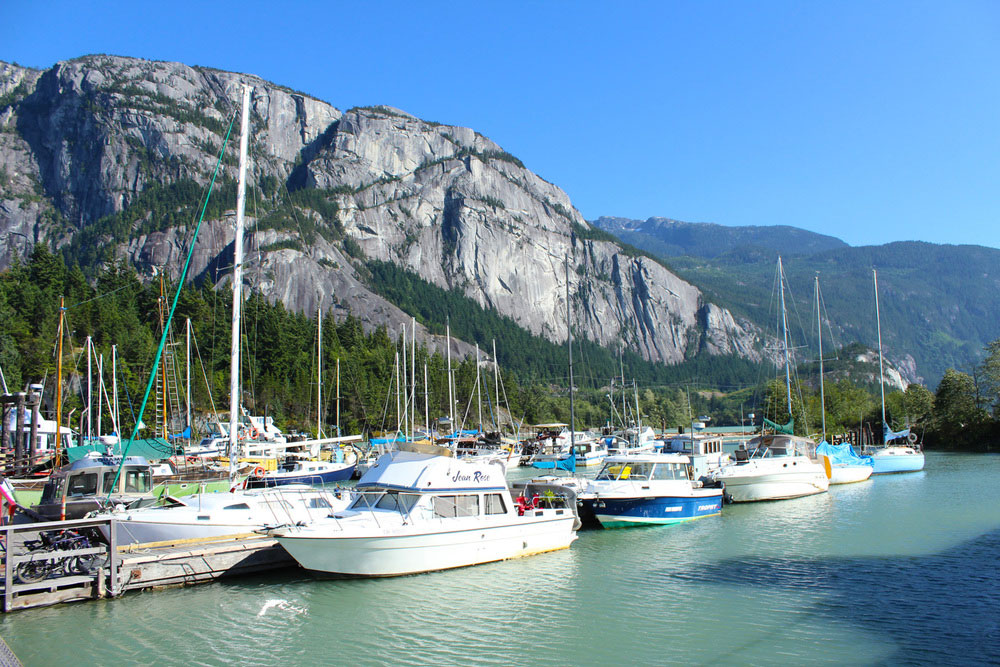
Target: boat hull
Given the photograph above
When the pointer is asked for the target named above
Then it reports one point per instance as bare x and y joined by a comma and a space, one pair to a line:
849, 474
327, 552
891, 463
664, 510
774, 486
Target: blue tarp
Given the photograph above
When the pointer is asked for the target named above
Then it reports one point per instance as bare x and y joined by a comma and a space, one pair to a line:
890, 435
568, 463
843, 454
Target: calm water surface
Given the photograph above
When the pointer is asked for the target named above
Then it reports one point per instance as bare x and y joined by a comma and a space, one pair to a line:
899, 569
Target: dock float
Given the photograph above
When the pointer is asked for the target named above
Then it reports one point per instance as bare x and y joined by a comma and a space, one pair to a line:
92, 569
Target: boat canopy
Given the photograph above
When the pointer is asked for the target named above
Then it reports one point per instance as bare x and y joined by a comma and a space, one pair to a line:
421, 472
843, 454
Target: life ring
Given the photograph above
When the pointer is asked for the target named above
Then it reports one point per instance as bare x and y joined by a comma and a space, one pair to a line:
254, 433
912, 438
258, 472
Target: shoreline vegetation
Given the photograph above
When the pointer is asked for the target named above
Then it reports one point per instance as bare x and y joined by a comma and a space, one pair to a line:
962, 414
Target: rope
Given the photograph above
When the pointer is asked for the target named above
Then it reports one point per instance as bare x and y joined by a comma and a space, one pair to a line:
173, 306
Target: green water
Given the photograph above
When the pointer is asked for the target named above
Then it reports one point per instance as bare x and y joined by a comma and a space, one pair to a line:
899, 569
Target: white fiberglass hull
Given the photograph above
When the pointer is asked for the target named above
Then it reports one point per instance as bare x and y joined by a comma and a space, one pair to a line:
143, 532
328, 550
750, 483
849, 474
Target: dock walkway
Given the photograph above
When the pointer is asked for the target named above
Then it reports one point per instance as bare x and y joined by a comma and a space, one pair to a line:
91, 568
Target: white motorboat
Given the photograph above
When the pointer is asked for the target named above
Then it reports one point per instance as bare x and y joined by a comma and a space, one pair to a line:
773, 467
221, 514
590, 452
419, 512
705, 451
648, 489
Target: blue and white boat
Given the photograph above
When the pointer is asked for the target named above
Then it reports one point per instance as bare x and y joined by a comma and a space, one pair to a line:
648, 489
846, 467
897, 458
590, 452
301, 472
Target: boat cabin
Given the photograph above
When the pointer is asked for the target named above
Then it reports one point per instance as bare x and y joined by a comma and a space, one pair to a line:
87, 484
645, 468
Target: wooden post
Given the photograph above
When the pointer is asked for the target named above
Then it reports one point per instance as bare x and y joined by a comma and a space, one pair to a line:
35, 400
8, 571
113, 555
19, 435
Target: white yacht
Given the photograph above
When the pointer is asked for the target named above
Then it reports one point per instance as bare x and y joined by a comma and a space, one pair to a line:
418, 512
222, 514
773, 467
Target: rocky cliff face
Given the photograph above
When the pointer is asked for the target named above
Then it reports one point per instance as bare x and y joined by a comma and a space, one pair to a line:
89, 138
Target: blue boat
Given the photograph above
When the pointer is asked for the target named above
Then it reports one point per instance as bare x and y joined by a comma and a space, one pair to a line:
301, 472
648, 489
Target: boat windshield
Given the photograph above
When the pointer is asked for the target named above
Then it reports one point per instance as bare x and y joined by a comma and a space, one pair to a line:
619, 471
393, 501
669, 471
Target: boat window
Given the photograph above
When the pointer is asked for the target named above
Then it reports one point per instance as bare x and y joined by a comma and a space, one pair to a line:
237, 506
318, 503
456, 506
495, 504
366, 500
668, 471
137, 481
109, 480
84, 484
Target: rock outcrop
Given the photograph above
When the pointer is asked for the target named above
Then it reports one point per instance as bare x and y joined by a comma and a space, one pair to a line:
83, 143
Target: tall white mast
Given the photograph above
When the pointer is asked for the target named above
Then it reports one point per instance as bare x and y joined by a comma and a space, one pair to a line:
319, 373
114, 388
819, 330
187, 391
881, 381
338, 397
90, 424
427, 409
451, 396
496, 383
479, 391
569, 338
413, 376
234, 350
784, 332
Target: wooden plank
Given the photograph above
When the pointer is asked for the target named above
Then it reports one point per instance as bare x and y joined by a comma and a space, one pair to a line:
53, 597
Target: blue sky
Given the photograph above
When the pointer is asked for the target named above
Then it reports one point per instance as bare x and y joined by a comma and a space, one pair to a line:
870, 121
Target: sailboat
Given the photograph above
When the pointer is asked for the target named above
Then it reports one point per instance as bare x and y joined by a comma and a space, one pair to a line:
846, 467
238, 511
904, 457
776, 466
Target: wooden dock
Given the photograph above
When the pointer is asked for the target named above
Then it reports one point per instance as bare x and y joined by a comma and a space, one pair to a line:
117, 570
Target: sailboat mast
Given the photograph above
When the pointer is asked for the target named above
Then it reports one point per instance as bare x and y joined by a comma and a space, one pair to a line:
496, 383
881, 381
234, 350
784, 332
62, 313
569, 338
451, 396
819, 330
187, 380
319, 373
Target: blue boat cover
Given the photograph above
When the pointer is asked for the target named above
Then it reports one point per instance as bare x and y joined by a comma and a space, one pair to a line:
843, 454
568, 463
889, 435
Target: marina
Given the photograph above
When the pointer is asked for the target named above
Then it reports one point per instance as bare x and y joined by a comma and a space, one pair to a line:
843, 576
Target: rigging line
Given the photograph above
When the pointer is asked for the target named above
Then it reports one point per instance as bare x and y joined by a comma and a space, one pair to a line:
173, 307
208, 387
99, 296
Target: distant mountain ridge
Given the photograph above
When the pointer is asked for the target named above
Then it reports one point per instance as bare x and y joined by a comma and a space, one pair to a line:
940, 304
106, 158
667, 237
